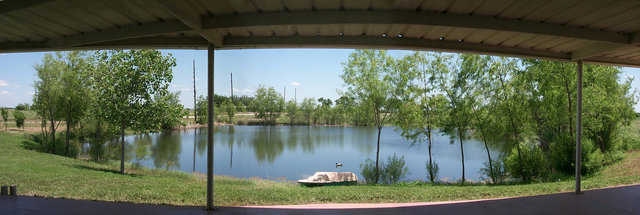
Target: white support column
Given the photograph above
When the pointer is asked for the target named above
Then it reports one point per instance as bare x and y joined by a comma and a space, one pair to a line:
579, 126
210, 55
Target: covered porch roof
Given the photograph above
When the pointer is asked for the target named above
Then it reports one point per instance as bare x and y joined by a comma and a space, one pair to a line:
595, 31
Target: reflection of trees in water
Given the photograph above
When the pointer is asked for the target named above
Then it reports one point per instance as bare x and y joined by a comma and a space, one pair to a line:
166, 150
230, 141
267, 143
141, 145
363, 138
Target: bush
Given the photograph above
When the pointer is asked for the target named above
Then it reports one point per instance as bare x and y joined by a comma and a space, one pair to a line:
19, 117
394, 169
593, 163
368, 171
391, 171
563, 156
432, 171
533, 165
499, 171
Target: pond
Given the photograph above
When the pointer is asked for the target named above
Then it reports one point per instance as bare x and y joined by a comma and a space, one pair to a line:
295, 152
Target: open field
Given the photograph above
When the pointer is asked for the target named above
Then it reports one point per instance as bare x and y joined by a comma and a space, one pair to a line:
40, 174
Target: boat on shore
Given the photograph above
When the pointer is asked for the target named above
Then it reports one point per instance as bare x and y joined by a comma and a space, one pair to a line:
329, 179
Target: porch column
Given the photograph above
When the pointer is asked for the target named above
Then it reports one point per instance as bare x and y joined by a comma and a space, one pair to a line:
210, 125
579, 127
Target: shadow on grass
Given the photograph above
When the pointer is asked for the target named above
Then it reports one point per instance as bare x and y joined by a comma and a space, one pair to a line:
104, 170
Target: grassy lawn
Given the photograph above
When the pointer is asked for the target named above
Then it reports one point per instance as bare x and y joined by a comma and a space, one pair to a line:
40, 174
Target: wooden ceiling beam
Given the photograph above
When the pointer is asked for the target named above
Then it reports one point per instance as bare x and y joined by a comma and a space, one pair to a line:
182, 11
385, 43
413, 18
120, 33
7, 6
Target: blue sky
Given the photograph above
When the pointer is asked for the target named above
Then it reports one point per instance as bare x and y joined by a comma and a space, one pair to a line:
312, 72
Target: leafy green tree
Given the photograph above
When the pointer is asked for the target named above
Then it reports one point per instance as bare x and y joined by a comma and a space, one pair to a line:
268, 104
48, 98
366, 75
5, 116
74, 91
457, 84
230, 109
324, 110
292, 111
201, 109
417, 87
128, 82
170, 109
307, 107
19, 117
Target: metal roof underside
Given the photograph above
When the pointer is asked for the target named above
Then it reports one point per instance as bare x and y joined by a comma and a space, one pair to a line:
597, 31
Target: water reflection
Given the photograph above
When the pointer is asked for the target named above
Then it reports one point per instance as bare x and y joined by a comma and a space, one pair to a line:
295, 152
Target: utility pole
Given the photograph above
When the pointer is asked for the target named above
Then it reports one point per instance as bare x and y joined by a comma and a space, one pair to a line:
284, 94
195, 109
295, 94
232, 88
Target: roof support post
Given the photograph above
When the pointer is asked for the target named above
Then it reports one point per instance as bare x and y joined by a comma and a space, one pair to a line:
210, 55
578, 127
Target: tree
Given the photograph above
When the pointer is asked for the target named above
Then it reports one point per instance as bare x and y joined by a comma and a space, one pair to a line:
457, 84
416, 86
74, 91
324, 110
5, 117
366, 75
307, 107
230, 109
19, 117
268, 104
292, 111
201, 110
128, 82
171, 110
48, 98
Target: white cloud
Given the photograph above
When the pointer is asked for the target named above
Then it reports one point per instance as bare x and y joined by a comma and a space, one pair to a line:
4, 92
295, 84
3, 83
245, 91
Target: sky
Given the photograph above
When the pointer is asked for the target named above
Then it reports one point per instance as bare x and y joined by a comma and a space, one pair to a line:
308, 73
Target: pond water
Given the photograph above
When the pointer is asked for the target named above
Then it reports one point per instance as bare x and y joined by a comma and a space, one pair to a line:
295, 152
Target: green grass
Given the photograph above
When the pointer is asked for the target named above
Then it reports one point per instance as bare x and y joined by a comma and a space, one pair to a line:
40, 174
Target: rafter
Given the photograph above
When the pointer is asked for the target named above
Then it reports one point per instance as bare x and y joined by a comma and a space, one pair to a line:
384, 43
187, 15
7, 6
120, 33
413, 18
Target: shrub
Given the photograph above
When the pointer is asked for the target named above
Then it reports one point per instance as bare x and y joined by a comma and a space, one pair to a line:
593, 162
368, 171
532, 166
499, 171
391, 171
394, 169
19, 117
432, 171
563, 155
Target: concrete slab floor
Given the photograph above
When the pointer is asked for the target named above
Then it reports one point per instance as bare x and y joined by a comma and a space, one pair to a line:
618, 200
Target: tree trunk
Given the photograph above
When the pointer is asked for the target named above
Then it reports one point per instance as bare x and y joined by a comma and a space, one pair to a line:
461, 152
486, 147
122, 127
53, 135
66, 149
431, 173
378, 155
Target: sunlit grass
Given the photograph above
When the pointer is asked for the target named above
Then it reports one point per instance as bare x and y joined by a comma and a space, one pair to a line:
40, 174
